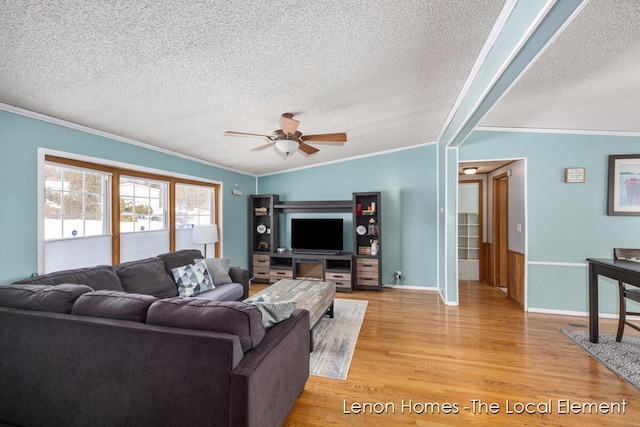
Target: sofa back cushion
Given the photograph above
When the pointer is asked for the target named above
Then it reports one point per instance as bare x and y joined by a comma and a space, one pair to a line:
179, 258
230, 317
102, 277
147, 276
57, 299
114, 305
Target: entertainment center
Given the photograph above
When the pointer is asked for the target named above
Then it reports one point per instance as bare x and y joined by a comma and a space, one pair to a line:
317, 243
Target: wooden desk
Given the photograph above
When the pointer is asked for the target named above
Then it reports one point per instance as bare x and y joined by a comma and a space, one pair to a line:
622, 270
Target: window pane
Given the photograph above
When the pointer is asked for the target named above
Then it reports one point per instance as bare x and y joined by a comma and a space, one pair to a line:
75, 202
142, 205
194, 205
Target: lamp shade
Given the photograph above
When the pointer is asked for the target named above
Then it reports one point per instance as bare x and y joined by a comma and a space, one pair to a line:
205, 234
287, 146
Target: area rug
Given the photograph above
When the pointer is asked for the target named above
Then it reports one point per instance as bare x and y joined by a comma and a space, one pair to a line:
622, 358
334, 340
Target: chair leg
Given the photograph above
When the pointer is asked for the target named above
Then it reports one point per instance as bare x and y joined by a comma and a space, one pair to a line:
622, 317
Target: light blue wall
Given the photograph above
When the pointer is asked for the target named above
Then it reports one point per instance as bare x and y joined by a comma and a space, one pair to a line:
20, 138
567, 223
407, 181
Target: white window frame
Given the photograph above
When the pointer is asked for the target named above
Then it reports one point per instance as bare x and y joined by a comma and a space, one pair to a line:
106, 201
164, 199
42, 152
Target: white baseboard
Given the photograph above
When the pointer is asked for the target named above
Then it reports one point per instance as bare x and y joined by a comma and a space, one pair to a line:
413, 288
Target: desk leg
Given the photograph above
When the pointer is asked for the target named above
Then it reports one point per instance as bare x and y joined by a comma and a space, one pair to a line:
593, 304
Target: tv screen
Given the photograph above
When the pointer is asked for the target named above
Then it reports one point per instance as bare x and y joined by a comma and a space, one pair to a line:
316, 235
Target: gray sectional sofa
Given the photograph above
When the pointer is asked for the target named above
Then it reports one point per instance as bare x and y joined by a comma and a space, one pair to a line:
151, 276
75, 356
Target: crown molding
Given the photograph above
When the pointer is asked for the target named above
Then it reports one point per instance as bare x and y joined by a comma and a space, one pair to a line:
558, 131
87, 129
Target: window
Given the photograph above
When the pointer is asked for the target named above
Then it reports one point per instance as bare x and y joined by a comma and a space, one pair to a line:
101, 214
75, 202
194, 205
142, 205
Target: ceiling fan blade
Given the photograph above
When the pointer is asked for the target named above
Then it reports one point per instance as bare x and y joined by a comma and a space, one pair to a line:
255, 135
289, 125
262, 147
307, 149
326, 138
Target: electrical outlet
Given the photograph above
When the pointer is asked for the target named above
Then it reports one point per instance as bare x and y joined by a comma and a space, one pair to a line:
398, 275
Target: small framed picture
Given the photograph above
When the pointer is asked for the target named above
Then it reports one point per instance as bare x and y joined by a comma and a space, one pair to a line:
574, 175
624, 185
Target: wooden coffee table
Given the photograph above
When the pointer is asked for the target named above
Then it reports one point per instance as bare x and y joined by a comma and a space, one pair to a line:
315, 296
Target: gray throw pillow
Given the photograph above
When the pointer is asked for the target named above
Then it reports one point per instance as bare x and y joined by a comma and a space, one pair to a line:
192, 279
273, 312
218, 269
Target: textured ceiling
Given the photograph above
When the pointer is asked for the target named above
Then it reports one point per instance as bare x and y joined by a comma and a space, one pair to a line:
588, 79
177, 74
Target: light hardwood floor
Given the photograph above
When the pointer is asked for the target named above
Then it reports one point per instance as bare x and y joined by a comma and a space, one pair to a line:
415, 355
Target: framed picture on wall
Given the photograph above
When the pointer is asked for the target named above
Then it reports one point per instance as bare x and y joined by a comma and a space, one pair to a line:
624, 184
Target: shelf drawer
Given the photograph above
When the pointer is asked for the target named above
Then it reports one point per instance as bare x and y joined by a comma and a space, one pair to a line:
368, 280
367, 266
261, 275
262, 271
261, 267
337, 277
342, 286
275, 275
261, 259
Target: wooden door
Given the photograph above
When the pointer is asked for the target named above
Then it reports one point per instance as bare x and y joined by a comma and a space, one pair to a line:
500, 230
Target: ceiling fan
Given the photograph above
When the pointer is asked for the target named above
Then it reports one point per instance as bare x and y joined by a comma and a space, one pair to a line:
289, 139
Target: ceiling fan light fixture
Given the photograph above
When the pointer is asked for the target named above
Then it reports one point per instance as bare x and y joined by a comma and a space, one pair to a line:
287, 146
470, 171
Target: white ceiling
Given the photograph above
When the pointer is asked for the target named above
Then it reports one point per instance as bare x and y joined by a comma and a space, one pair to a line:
177, 74
588, 79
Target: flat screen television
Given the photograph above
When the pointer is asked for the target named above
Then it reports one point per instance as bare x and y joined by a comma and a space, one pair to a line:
316, 235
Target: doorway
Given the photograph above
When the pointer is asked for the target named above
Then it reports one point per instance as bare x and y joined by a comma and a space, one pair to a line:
500, 244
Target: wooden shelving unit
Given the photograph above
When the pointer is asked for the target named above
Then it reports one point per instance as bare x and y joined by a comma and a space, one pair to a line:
367, 232
361, 270
264, 234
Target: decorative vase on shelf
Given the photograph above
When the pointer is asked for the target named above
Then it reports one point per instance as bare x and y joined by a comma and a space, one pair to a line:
374, 247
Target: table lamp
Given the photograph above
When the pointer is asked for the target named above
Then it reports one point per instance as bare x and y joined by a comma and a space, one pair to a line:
204, 235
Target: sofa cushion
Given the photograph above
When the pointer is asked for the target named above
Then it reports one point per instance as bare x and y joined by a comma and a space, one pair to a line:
225, 292
57, 299
230, 317
102, 277
218, 269
179, 258
192, 279
146, 276
114, 305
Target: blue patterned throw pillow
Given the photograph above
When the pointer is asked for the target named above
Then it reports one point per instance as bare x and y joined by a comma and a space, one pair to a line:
192, 279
